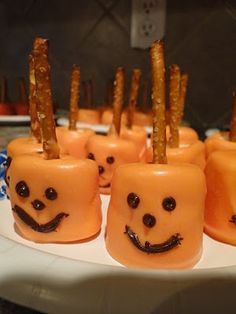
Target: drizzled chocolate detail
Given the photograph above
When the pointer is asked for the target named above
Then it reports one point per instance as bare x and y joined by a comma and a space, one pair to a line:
169, 203
133, 200
101, 169
110, 160
108, 185
233, 219
172, 242
38, 205
51, 194
44, 228
149, 220
91, 156
22, 189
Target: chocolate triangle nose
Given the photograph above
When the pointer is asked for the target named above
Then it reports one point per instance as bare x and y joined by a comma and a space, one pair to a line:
38, 205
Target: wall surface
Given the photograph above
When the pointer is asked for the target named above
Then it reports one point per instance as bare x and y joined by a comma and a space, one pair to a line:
200, 37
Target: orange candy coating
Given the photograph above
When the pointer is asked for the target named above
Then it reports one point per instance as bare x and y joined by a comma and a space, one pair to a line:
72, 142
187, 135
107, 116
91, 116
138, 136
219, 141
23, 145
77, 200
109, 152
142, 118
152, 184
193, 154
221, 196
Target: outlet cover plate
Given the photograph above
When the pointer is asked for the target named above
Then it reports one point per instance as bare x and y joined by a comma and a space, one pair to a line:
147, 22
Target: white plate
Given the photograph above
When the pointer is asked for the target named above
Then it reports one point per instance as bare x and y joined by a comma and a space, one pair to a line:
99, 128
83, 278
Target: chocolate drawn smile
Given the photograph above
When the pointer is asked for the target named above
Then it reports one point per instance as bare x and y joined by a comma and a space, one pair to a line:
45, 228
108, 185
169, 244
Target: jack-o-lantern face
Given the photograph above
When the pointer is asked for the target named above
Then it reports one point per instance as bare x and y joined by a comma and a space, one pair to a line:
220, 213
155, 216
109, 152
49, 202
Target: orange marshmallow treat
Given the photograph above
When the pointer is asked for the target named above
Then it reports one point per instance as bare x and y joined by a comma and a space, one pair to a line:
223, 140
88, 115
220, 212
71, 140
131, 132
111, 151
49, 202
155, 215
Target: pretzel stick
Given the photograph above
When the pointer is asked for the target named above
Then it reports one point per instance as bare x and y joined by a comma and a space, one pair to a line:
158, 103
136, 74
74, 97
118, 100
232, 132
182, 95
44, 98
174, 103
34, 124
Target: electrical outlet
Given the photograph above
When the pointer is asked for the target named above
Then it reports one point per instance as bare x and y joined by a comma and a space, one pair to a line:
147, 22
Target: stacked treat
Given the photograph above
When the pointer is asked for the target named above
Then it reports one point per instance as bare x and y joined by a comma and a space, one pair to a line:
155, 217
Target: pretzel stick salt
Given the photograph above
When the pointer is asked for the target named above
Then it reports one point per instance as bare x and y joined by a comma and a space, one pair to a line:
232, 132
44, 98
136, 74
74, 97
34, 124
158, 103
174, 103
118, 100
182, 95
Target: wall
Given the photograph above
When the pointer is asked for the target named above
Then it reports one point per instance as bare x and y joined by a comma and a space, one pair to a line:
200, 37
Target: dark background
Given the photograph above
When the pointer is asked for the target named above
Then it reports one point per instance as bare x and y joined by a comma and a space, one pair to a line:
95, 34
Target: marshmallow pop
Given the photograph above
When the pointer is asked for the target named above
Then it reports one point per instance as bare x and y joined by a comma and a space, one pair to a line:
155, 215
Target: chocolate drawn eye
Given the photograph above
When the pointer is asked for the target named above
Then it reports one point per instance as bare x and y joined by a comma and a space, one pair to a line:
169, 203
51, 194
110, 160
91, 156
22, 189
133, 200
